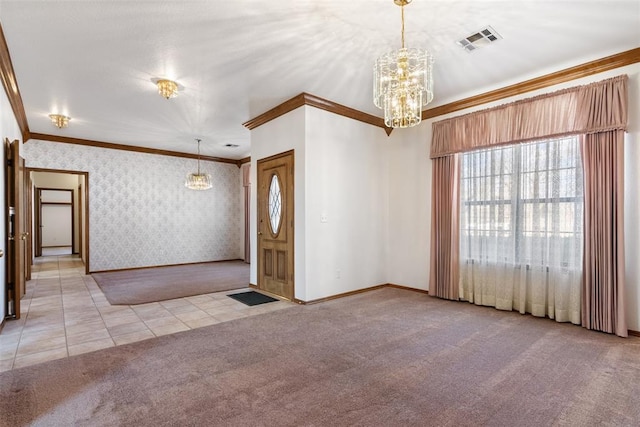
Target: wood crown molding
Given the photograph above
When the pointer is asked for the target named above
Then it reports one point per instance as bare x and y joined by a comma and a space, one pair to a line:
135, 149
317, 102
10, 84
587, 69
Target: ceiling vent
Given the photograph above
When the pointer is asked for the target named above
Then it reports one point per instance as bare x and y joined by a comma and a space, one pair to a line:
479, 39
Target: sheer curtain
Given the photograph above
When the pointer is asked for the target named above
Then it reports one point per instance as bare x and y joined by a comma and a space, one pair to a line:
521, 228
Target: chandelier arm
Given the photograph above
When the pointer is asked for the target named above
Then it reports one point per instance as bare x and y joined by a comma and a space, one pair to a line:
198, 157
402, 15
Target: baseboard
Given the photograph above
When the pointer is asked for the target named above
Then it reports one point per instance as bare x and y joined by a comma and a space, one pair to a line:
163, 265
407, 288
633, 333
359, 291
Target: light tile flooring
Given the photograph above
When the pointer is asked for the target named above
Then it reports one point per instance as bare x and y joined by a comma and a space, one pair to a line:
65, 313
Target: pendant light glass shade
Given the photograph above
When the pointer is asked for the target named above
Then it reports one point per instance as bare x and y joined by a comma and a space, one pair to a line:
198, 180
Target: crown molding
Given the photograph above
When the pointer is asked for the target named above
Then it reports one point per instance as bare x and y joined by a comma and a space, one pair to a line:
243, 161
583, 70
10, 84
132, 148
317, 102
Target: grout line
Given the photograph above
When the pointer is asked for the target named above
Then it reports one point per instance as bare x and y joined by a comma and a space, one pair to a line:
44, 272
64, 323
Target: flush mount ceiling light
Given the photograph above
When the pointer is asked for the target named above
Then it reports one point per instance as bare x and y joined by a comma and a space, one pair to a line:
198, 180
59, 120
167, 88
403, 82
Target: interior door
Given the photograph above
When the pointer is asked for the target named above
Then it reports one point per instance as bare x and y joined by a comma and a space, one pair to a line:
275, 225
16, 232
28, 223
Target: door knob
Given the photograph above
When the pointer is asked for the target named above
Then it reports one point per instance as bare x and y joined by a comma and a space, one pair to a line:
1, 253
259, 233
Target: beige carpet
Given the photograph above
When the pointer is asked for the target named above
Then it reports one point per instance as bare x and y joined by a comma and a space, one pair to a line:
384, 358
140, 286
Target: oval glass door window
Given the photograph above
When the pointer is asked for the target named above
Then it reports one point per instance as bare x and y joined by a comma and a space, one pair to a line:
275, 204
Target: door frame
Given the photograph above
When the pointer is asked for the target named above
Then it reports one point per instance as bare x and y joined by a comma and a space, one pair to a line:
261, 205
84, 213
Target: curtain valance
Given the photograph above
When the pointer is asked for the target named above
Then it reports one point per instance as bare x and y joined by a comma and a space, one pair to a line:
592, 108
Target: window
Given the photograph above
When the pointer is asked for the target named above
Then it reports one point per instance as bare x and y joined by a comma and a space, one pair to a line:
523, 203
521, 227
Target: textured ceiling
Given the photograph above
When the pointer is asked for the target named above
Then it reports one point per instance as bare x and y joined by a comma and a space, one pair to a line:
95, 60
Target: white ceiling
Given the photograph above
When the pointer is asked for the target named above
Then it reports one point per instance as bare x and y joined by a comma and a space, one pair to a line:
94, 60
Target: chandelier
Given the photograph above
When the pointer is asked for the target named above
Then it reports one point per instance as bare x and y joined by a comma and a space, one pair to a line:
403, 82
59, 120
198, 180
167, 88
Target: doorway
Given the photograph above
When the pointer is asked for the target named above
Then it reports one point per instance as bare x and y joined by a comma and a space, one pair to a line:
276, 225
59, 219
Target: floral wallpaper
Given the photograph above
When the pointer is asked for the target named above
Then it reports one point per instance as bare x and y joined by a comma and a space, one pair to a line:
141, 214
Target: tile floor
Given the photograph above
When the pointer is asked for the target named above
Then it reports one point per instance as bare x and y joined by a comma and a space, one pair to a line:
65, 313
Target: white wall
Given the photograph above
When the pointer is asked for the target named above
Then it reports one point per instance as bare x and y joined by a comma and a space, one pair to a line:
347, 184
277, 136
56, 225
410, 172
8, 129
140, 213
409, 207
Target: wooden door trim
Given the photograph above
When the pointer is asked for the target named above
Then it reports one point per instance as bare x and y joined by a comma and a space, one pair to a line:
37, 234
29, 209
73, 214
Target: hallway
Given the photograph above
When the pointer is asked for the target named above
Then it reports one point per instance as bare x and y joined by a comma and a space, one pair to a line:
65, 313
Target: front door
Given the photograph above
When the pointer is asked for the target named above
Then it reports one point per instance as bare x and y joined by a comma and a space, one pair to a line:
275, 225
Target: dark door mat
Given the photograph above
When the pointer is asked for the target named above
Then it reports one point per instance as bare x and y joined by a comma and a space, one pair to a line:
252, 298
